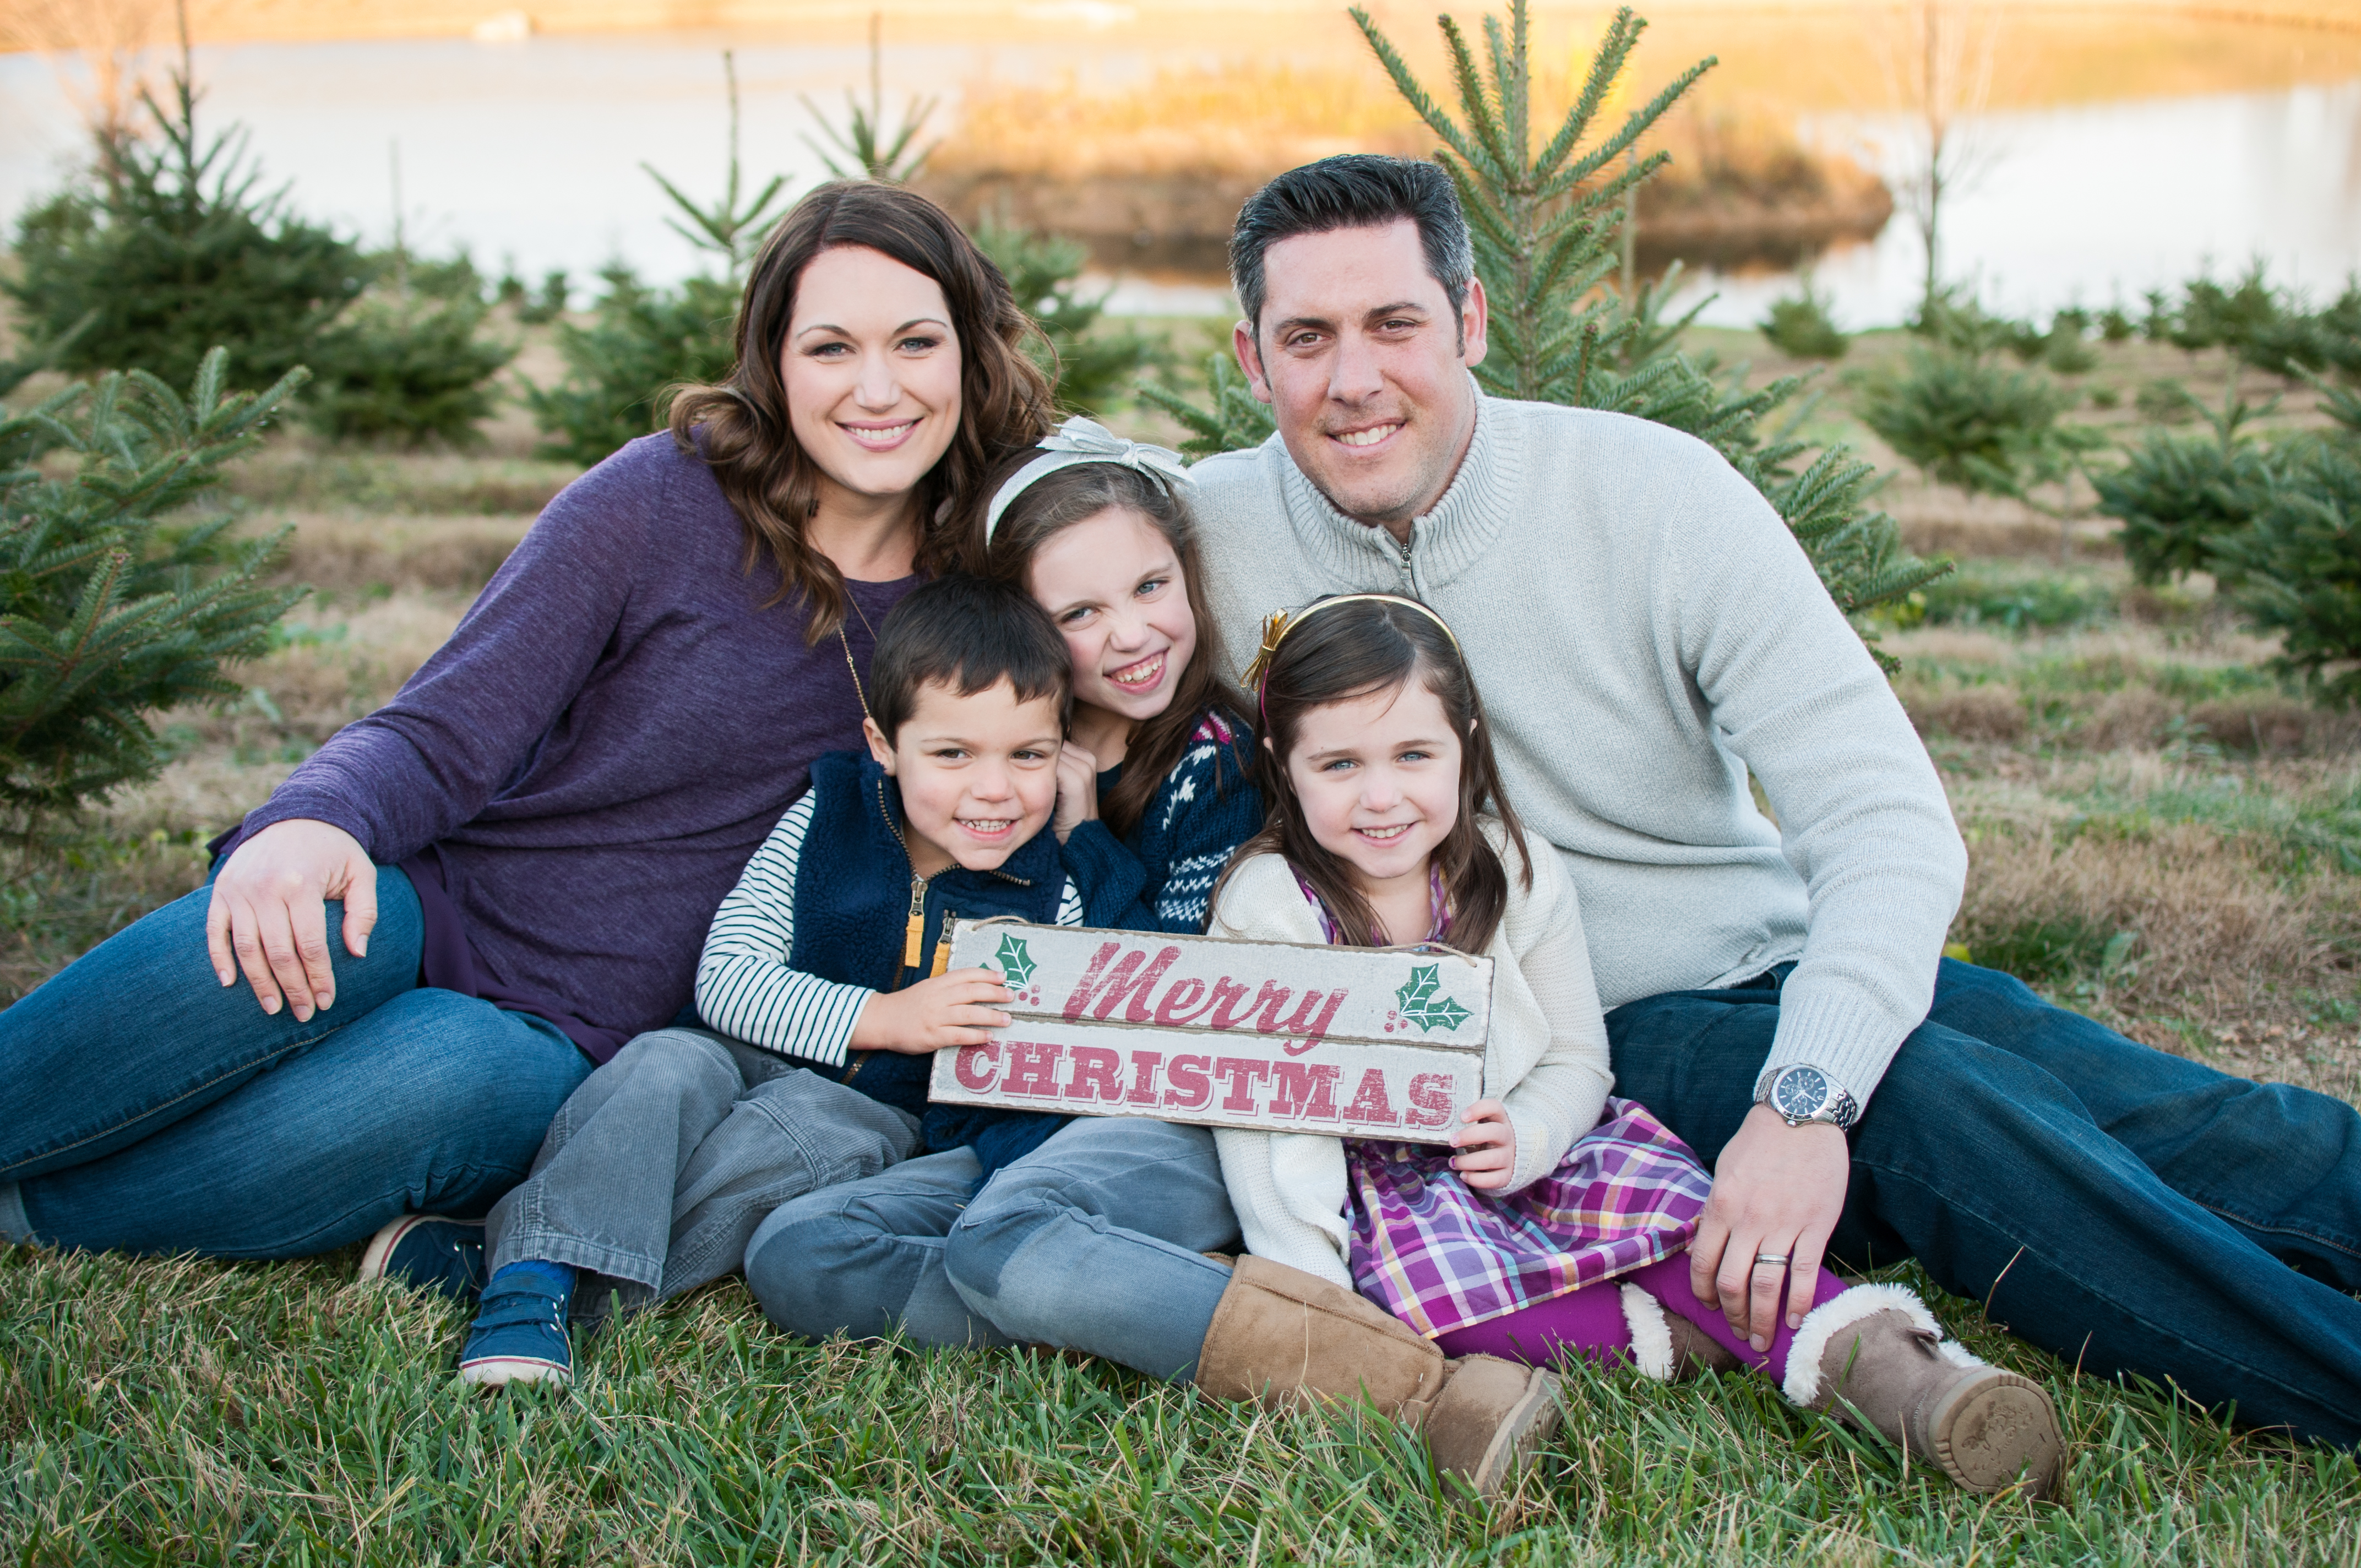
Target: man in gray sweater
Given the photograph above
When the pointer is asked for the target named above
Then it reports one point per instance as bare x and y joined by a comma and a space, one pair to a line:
1647, 633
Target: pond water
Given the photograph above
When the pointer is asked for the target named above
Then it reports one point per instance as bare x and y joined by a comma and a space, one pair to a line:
529, 153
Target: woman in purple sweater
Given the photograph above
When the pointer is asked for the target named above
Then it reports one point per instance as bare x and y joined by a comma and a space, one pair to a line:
464, 901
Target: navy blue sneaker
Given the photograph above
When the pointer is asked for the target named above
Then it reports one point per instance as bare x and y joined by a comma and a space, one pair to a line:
427, 1252
519, 1331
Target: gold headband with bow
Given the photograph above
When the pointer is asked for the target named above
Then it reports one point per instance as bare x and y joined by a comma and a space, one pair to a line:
1279, 622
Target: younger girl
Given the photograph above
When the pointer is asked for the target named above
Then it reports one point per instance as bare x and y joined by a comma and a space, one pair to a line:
1152, 798
1386, 827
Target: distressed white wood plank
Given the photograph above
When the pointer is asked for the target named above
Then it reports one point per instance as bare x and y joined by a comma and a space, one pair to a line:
1394, 995
1282, 1036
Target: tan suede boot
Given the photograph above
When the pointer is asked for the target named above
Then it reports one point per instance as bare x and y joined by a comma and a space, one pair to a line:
1667, 1346
1292, 1340
1876, 1355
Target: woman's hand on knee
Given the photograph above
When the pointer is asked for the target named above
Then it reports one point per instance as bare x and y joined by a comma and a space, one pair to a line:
268, 916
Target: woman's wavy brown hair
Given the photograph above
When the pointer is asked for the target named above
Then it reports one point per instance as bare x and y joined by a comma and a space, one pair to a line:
1065, 497
1353, 650
739, 425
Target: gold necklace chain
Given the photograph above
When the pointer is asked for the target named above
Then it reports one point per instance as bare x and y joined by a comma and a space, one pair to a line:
859, 692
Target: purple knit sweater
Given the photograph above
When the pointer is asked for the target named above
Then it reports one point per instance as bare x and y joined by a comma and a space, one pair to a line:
577, 778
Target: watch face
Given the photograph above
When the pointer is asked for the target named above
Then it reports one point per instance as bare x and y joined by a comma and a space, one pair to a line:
1800, 1092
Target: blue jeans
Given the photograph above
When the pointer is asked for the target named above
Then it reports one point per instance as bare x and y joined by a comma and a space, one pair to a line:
656, 1172
865, 1258
146, 1107
1091, 1243
2126, 1210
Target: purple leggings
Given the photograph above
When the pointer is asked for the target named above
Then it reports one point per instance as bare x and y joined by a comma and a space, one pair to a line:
1589, 1322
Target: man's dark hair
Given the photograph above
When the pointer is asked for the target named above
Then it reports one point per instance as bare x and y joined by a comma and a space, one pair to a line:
967, 634
1352, 190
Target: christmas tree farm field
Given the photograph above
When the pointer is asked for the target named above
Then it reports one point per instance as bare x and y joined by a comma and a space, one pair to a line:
2159, 835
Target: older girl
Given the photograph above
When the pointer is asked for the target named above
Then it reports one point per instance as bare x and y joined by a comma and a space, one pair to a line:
1152, 793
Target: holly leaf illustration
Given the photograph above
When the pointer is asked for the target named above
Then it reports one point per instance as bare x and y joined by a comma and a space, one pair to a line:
1017, 965
1444, 1014
1419, 1004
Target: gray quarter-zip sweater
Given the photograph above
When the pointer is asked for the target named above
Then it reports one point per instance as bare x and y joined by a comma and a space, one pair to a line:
1644, 629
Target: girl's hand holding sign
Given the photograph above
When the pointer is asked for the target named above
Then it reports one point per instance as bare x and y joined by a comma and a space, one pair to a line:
1488, 1147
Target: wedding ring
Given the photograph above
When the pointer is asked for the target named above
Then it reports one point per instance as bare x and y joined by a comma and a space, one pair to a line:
1762, 1258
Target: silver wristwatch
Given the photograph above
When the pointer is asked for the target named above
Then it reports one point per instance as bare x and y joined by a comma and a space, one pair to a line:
1801, 1093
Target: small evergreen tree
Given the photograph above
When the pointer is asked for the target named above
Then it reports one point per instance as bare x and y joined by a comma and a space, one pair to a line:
640, 343
867, 151
536, 307
1981, 427
1236, 420
114, 602
1547, 223
407, 372
171, 249
2296, 568
1092, 360
1799, 324
2178, 496
1965, 422
732, 231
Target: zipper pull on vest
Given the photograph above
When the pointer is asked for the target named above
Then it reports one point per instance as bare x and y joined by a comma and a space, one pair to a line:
914, 937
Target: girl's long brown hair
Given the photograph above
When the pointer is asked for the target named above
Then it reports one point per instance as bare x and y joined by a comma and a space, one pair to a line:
1352, 651
740, 424
1054, 503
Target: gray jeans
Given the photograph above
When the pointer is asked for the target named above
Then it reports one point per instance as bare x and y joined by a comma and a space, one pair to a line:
660, 1167
1093, 1242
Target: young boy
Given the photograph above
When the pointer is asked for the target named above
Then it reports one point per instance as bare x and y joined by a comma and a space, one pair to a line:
822, 984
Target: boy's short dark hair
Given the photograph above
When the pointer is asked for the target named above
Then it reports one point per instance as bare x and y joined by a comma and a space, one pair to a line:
1352, 190
964, 633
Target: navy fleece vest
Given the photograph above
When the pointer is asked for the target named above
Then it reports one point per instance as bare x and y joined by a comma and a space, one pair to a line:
852, 909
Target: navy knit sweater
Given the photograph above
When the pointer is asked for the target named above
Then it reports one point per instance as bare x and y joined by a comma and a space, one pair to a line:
1160, 875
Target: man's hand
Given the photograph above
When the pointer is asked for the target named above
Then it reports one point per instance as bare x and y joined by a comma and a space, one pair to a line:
953, 1009
269, 910
1078, 790
1776, 1190
1486, 1145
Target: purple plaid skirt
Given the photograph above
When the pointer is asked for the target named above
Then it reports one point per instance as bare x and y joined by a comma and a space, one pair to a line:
1441, 1256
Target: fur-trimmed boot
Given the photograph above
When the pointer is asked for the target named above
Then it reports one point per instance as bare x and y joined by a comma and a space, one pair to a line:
1292, 1340
1667, 1346
1874, 1356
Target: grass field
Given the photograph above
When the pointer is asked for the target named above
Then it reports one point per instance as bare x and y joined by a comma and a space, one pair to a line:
2159, 834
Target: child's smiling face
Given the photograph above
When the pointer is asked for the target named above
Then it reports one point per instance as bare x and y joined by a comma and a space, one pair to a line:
1114, 585
978, 773
1377, 779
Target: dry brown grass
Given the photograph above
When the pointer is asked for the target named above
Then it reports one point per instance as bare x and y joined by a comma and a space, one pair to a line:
1971, 713
344, 554
320, 686
2223, 935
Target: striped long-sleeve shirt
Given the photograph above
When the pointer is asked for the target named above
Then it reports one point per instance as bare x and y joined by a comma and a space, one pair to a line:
744, 986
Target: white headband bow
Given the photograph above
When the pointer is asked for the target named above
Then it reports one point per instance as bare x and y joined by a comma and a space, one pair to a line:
1080, 441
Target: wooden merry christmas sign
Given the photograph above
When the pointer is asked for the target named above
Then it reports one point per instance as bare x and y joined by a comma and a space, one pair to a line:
1356, 1041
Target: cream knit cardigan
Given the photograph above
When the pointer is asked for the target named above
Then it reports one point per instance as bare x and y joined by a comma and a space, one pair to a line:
1544, 1056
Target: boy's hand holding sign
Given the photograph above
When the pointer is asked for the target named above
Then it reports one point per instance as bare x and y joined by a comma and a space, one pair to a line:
1384, 1042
